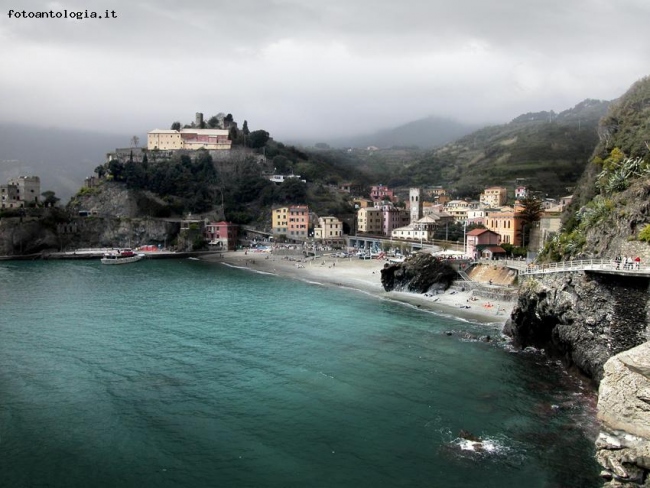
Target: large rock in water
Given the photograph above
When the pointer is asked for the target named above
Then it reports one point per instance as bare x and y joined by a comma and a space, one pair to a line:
420, 273
623, 447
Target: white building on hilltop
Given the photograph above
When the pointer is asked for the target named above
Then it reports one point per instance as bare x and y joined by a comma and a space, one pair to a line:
191, 139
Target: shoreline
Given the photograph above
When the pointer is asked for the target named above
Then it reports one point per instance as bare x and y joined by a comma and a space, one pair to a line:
365, 276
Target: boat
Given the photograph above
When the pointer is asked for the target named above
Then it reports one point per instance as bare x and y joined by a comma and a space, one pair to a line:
121, 256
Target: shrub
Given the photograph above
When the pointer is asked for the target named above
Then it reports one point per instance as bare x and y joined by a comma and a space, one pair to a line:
644, 235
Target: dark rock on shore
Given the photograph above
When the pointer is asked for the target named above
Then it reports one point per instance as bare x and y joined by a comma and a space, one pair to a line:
582, 318
420, 273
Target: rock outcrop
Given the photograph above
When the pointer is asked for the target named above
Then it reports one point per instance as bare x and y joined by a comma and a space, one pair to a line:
116, 217
420, 273
583, 318
623, 447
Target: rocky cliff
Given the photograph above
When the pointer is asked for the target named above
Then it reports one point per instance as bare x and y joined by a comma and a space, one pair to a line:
623, 447
583, 318
118, 218
588, 318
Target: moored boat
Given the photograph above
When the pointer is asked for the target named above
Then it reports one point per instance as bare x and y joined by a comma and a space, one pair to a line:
121, 256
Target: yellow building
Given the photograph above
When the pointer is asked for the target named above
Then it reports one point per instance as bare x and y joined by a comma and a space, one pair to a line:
494, 196
280, 220
190, 139
291, 221
370, 220
330, 229
363, 203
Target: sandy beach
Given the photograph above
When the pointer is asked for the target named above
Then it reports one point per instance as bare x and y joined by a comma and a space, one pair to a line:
365, 276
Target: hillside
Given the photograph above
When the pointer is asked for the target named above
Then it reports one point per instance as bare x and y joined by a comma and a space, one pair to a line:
611, 209
548, 150
598, 322
425, 133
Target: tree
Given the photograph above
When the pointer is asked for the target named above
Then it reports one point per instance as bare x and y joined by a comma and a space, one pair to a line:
258, 138
213, 122
292, 190
281, 165
232, 134
135, 142
100, 170
49, 199
116, 169
176, 126
244, 128
531, 211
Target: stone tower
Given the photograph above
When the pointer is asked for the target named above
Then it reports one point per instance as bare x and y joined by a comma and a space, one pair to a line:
198, 119
415, 204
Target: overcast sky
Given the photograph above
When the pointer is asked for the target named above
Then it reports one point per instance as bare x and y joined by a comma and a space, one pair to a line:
306, 68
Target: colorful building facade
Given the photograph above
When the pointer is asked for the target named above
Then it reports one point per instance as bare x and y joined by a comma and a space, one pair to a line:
190, 139
222, 234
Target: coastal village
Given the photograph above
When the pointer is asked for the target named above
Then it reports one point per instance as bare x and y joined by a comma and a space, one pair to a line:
385, 219
325, 244
396, 236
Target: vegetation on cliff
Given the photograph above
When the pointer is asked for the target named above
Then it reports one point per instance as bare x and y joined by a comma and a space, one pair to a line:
237, 185
610, 203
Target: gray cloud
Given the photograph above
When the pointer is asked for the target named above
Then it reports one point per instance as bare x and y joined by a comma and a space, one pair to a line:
302, 68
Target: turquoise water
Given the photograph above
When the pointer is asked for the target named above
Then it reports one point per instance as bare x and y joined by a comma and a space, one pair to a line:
191, 374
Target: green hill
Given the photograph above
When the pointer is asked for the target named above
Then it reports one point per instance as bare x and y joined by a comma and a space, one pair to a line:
610, 212
548, 150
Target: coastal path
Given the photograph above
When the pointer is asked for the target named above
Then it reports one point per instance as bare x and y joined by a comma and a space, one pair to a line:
603, 266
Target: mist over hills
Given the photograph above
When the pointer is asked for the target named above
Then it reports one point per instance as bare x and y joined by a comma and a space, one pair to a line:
62, 158
549, 149
425, 133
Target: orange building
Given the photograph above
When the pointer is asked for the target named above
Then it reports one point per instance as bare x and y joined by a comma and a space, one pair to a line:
506, 223
298, 222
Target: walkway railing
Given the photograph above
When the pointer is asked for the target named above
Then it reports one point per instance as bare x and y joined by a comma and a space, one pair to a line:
606, 265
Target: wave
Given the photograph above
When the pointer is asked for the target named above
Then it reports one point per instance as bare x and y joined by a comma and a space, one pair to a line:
246, 268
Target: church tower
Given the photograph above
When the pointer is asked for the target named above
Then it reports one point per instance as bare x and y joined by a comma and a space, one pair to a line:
415, 204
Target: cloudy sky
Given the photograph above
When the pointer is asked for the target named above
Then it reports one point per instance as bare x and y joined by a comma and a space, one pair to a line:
311, 68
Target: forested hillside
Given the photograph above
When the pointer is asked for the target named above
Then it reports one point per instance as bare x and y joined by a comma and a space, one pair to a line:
549, 150
610, 212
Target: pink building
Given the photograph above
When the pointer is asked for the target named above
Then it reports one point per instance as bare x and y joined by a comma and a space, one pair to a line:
478, 239
380, 192
222, 234
521, 192
393, 218
298, 222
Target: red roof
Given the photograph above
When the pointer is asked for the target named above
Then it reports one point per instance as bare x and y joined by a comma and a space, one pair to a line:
495, 250
478, 232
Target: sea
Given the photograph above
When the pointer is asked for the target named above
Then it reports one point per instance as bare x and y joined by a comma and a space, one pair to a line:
185, 373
